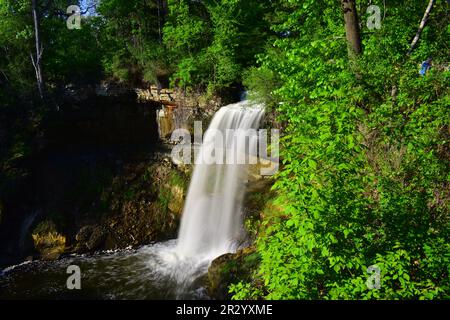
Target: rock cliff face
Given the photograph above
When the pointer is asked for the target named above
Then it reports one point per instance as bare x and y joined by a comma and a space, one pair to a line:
177, 98
100, 176
142, 205
174, 108
178, 110
100, 179
105, 208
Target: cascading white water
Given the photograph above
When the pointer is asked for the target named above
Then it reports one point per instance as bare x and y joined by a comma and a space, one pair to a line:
212, 217
211, 225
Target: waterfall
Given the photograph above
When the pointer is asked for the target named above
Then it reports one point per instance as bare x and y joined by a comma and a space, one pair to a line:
212, 218
211, 223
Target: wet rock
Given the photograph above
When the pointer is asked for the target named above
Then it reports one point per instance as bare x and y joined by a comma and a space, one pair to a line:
220, 276
96, 239
147, 202
110, 243
177, 201
166, 122
229, 269
90, 238
261, 168
84, 234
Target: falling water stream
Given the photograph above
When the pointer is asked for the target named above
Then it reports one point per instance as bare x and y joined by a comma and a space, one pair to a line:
211, 223
211, 226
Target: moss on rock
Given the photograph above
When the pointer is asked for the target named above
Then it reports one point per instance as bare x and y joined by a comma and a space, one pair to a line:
177, 197
47, 241
229, 269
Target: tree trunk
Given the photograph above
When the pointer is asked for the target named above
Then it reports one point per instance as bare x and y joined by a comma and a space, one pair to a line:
421, 26
352, 30
158, 3
38, 58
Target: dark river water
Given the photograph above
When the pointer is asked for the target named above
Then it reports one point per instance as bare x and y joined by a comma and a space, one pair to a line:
151, 272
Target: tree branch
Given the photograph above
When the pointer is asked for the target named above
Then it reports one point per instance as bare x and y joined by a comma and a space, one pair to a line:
41, 50
421, 26
4, 75
34, 66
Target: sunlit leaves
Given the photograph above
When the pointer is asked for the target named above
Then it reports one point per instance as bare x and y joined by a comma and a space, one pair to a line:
363, 161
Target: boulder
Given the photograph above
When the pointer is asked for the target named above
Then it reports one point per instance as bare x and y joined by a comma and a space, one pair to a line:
229, 269
97, 238
84, 234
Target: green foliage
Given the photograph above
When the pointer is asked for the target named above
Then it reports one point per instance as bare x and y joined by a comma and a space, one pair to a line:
68, 55
403, 277
365, 151
365, 161
72, 55
15, 46
211, 42
261, 83
131, 37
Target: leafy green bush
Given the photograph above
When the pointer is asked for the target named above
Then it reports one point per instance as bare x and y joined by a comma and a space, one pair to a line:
365, 176
261, 83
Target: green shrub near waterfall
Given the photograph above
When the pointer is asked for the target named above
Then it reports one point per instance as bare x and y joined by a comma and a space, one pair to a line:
365, 158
